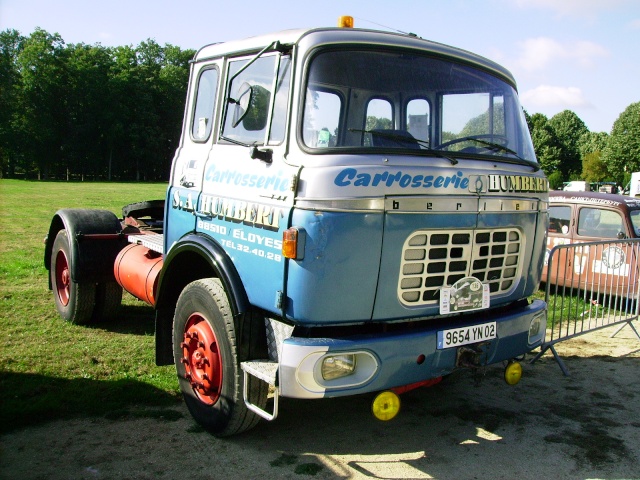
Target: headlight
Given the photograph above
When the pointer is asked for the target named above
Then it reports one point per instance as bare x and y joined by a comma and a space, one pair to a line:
534, 328
337, 366
537, 328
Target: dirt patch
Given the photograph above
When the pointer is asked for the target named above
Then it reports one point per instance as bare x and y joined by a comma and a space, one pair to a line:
582, 426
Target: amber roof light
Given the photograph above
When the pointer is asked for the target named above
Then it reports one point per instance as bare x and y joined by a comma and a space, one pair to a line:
345, 21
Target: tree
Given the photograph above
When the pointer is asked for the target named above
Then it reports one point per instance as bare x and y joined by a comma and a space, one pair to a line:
42, 67
68, 110
590, 146
555, 180
173, 80
148, 84
10, 44
568, 129
594, 169
88, 109
545, 143
592, 142
622, 152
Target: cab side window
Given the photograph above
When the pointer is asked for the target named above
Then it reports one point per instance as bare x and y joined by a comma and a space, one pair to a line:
279, 119
249, 98
598, 222
560, 219
203, 110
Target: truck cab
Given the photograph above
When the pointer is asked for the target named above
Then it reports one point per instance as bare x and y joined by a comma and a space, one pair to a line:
349, 211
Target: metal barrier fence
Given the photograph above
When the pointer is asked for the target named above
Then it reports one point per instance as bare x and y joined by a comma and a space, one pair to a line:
590, 286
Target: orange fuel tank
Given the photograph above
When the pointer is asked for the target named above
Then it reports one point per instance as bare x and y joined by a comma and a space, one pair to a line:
136, 270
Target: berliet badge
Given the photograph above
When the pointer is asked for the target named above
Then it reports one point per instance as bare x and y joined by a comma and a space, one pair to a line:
466, 294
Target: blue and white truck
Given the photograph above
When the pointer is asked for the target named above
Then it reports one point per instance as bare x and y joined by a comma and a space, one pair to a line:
348, 211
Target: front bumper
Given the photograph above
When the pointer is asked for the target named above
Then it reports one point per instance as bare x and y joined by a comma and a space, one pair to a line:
390, 360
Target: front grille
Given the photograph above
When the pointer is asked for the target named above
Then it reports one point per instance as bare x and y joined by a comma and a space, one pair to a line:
432, 259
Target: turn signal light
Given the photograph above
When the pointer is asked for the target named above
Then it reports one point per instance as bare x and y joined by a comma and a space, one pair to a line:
290, 243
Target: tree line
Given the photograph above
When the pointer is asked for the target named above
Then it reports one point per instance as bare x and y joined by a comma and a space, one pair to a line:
89, 111
77, 111
567, 150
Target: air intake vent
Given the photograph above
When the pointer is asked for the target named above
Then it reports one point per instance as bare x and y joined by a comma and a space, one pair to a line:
432, 259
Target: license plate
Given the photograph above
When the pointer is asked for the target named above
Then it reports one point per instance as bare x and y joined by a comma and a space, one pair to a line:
456, 337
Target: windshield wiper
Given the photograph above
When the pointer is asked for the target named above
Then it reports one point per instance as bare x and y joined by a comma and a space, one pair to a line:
407, 140
265, 155
496, 147
237, 142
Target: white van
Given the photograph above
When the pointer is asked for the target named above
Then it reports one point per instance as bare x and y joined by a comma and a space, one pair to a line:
577, 186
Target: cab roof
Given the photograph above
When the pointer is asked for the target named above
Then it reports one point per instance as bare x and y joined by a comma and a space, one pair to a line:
351, 36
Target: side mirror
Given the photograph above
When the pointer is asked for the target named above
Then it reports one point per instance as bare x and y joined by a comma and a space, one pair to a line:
242, 103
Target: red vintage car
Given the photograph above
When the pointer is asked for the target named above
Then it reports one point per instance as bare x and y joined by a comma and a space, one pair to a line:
601, 228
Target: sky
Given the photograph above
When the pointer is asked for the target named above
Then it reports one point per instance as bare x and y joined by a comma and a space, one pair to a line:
578, 55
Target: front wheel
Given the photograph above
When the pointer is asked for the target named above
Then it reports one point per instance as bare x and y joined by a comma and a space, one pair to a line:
206, 352
74, 301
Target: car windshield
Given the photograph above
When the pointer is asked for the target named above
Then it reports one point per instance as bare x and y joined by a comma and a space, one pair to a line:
366, 99
635, 220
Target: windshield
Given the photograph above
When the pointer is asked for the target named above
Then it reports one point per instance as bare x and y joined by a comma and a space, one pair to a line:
635, 220
365, 99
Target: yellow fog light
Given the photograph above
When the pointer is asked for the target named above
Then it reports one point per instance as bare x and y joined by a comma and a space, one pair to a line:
386, 405
513, 373
337, 366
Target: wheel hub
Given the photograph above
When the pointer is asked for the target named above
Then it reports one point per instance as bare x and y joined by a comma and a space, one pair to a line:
201, 358
63, 278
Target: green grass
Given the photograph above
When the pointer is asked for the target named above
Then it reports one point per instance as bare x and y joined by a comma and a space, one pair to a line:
49, 368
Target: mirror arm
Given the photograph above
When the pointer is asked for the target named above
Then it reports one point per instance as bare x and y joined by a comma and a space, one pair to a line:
265, 155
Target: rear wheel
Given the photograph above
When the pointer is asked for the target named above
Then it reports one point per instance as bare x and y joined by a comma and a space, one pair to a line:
206, 351
74, 301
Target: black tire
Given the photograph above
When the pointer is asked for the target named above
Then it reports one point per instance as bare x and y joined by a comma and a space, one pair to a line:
204, 328
108, 300
74, 301
151, 208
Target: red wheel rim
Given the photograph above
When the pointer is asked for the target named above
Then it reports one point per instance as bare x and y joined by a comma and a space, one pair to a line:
201, 358
62, 278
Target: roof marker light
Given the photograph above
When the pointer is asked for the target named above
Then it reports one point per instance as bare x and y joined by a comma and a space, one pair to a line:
345, 21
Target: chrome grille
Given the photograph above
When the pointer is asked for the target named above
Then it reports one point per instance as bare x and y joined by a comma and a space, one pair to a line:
432, 259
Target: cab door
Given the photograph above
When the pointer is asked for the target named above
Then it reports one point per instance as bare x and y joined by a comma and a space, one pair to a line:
192, 155
247, 185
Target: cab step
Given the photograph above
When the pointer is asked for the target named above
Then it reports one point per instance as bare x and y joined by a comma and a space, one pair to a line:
266, 371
